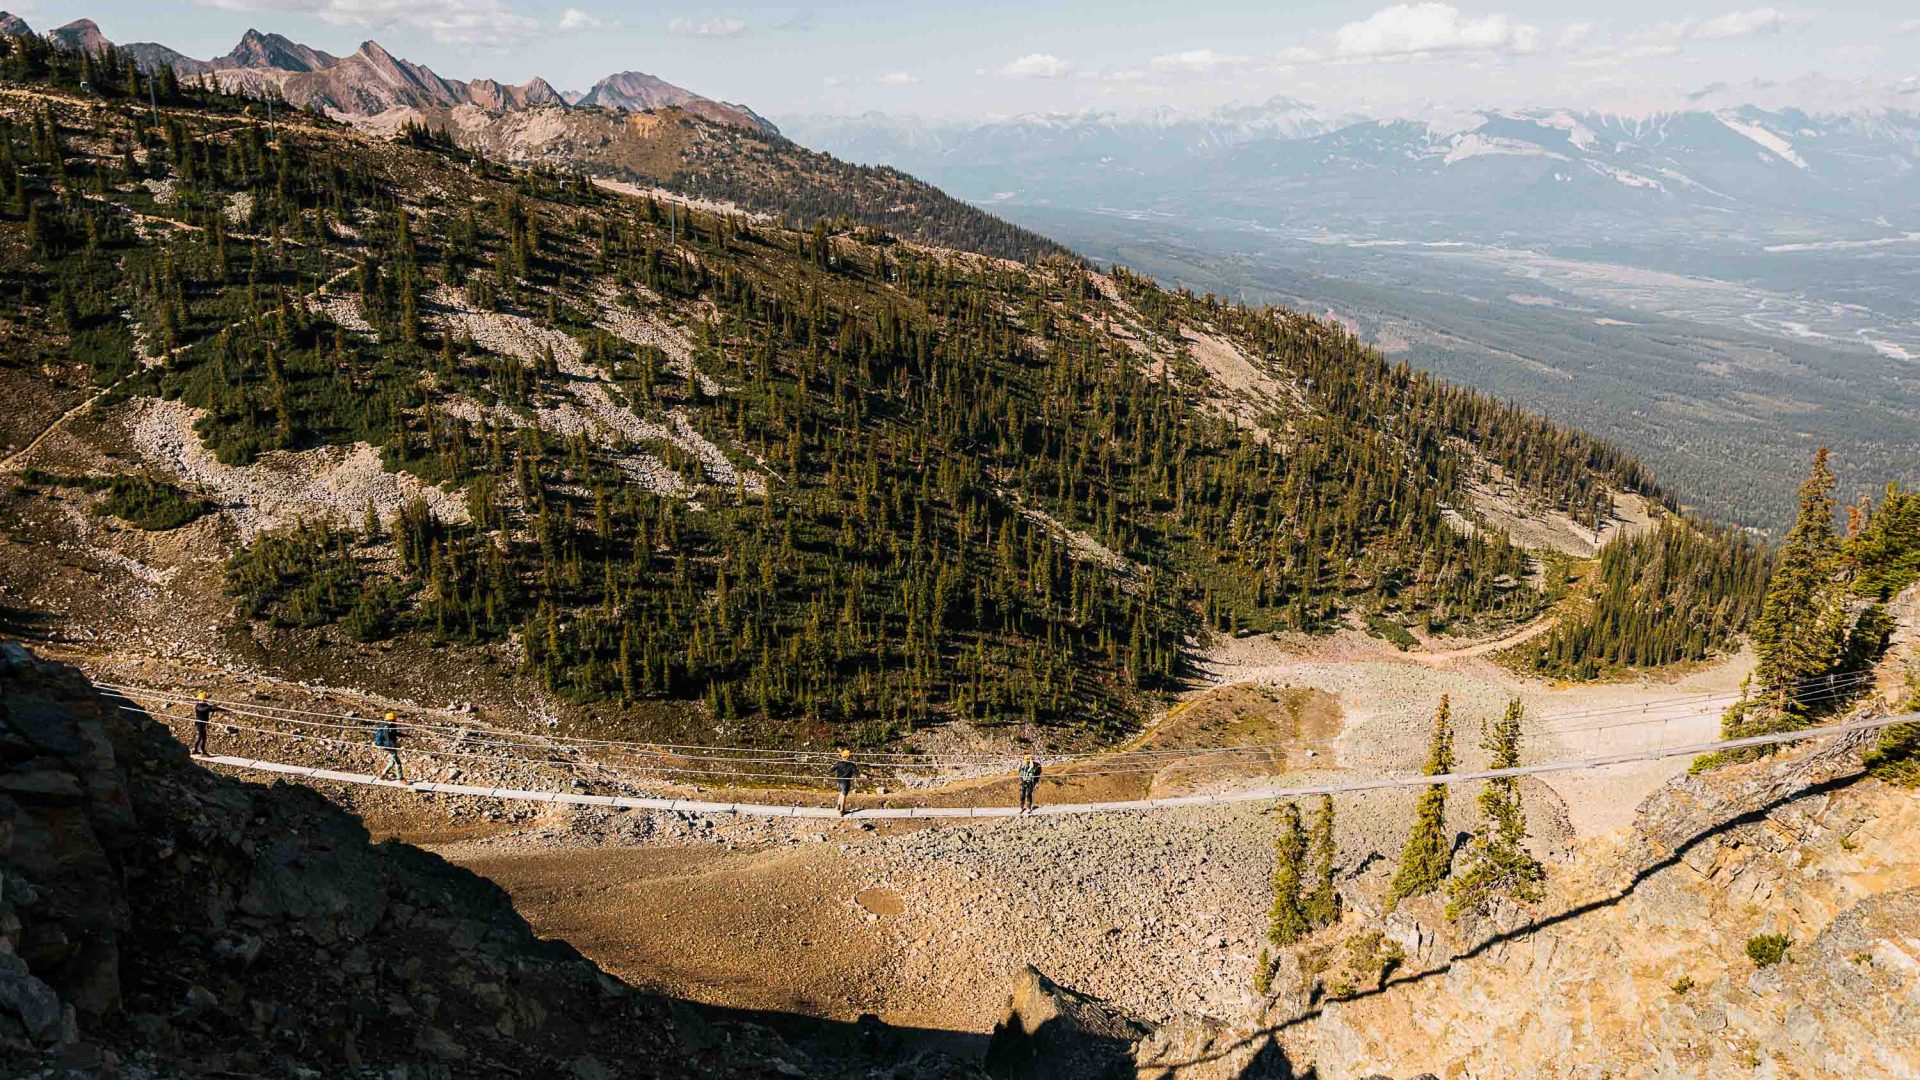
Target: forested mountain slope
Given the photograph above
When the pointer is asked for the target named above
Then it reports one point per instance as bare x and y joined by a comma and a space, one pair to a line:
630, 128
821, 483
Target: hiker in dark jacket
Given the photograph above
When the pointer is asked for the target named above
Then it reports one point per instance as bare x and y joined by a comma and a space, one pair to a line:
203, 711
844, 771
387, 737
1029, 779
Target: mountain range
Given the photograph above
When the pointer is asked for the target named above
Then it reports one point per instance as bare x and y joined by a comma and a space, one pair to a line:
630, 128
372, 81
1538, 171
1717, 287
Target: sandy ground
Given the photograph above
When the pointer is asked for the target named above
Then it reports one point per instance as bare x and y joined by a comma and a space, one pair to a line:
1389, 698
923, 926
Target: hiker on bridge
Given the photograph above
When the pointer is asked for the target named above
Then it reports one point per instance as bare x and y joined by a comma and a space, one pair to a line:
203, 711
1029, 779
844, 771
387, 737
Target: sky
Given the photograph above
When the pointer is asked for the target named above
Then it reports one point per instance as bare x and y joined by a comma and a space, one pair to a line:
1003, 57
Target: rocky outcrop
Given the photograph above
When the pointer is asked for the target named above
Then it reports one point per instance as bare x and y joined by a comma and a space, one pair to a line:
1637, 964
1053, 1033
155, 915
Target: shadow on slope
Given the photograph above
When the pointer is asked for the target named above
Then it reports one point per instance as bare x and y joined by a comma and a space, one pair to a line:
166, 916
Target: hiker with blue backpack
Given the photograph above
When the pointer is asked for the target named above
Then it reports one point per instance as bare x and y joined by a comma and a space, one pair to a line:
387, 737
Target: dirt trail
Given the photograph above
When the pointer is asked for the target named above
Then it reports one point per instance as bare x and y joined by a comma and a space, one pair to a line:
20, 455
1534, 629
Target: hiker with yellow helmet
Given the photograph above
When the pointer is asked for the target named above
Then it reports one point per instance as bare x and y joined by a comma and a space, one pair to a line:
203, 711
387, 737
844, 771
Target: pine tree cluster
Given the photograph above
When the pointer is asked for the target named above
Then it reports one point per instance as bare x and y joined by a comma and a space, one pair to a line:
1824, 623
1684, 591
1304, 896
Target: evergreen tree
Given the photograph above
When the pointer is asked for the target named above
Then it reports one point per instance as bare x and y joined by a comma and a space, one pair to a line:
1802, 623
1322, 903
1883, 551
1498, 862
1427, 857
1287, 921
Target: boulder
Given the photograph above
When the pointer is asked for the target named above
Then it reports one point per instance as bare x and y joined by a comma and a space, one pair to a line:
1053, 1033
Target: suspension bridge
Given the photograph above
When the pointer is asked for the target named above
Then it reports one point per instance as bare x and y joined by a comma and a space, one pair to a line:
621, 763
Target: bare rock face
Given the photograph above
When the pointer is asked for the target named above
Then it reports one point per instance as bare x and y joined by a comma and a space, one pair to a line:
1636, 963
1053, 1033
157, 919
1692, 808
64, 816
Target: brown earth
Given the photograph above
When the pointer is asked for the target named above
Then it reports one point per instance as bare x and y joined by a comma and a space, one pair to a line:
766, 929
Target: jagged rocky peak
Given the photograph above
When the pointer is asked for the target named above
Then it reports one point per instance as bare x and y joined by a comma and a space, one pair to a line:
372, 80
637, 91
258, 50
633, 90
392, 68
82, 34
498, 96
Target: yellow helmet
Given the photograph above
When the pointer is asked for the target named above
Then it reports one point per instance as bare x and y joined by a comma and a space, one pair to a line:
203, 695
846, 753
390, 717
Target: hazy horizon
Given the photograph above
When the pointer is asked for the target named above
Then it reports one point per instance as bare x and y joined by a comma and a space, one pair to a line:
1001, 59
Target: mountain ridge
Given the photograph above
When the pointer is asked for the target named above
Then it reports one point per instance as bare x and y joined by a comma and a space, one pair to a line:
371, 80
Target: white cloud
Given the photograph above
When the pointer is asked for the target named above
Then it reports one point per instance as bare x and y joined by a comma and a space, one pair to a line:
575, 19
1740, 24
1911, 26
1413, 29
1037, 66
898, 78
1733, 26
1196, 61
450, 22
725, 26
1573, 34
